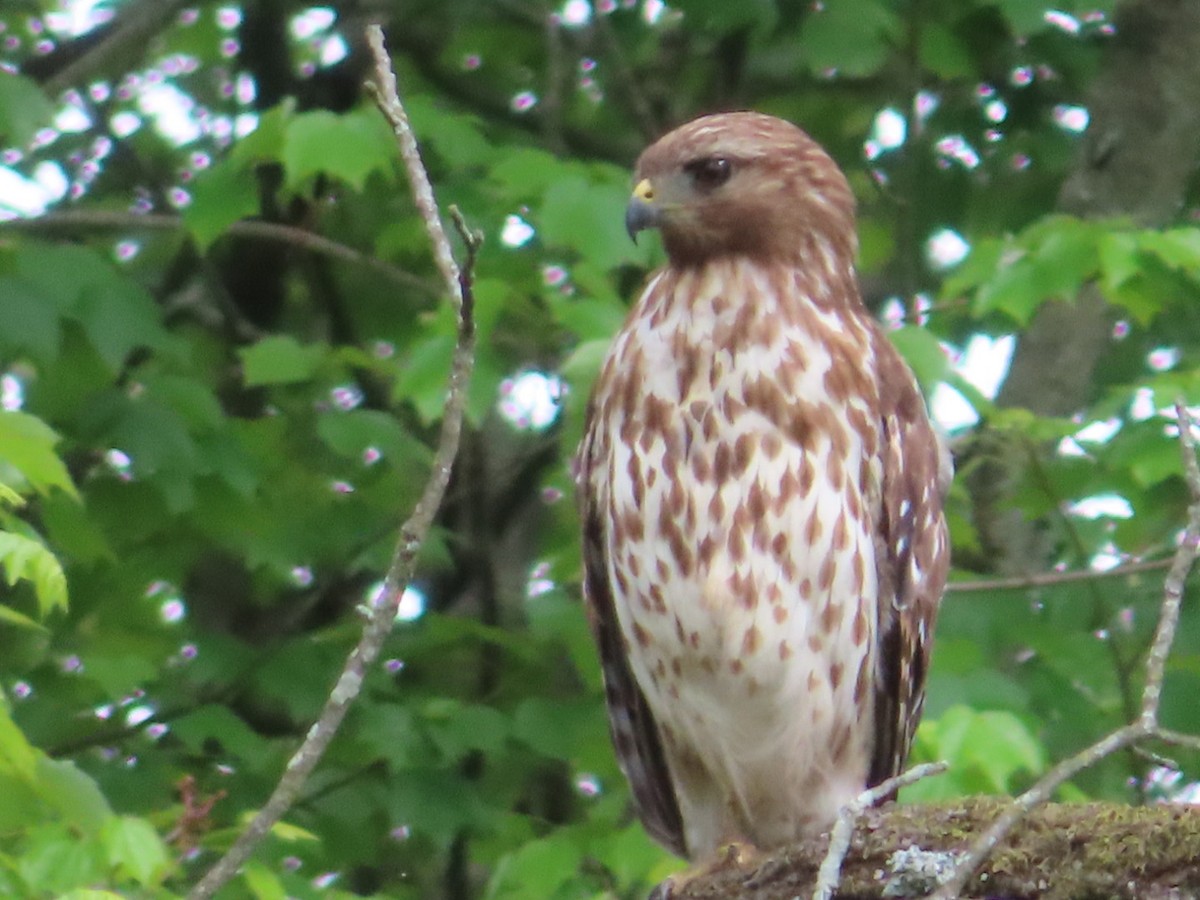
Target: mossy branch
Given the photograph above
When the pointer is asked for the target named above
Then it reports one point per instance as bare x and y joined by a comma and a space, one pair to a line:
1060, 852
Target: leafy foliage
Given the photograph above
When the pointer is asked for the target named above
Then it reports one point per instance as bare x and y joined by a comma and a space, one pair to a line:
212, 423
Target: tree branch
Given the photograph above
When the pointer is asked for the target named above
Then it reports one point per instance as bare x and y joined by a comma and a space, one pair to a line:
272, 231
81, 59
412, 532
1047, 579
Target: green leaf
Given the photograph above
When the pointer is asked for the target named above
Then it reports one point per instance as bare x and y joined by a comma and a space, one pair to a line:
1067, 256
31, 320
119, 316
215, 725
526, 172
457, 138
539, 867
280, 359
588, 218
135, 849
17, 755
27, 444
349, 146
923, 354
220, 196
26, 559
55, 860
285, 831
1120, 259
73, 532
994, 743
263, 883
556, 728
73, 793
12, 617
390, 733
154, 436
352, 432
437, 802
424, 379
459, 729
851, 37
944, 53
266, 142
23, 110
1025, 17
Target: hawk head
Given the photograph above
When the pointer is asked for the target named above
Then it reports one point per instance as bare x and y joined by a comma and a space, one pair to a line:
743, 184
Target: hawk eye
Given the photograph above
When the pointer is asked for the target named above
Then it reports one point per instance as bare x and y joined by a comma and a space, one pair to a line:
709, 172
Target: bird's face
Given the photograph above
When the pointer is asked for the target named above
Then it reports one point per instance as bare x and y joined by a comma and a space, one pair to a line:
740, 183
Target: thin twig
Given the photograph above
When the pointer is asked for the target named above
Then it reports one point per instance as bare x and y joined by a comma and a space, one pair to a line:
552, 92
273, 231
830, 872
1101, 605
1177, 739
1145, 725
1185, 557
1047, 579
130, 34
628, 80
413, 531
388, 99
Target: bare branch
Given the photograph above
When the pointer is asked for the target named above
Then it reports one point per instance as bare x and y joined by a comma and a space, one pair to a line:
386, 95
843, 829
272, 231
1046, 579
1185, 558
1177, 739
412, 532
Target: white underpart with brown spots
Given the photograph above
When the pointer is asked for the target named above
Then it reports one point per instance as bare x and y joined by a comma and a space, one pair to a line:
741, 501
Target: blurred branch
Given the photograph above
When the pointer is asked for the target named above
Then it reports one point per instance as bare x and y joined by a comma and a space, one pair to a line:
1101, 607
1046, 579
625, 77
382, 612
272, 231
552, 94
123, 39
486, 100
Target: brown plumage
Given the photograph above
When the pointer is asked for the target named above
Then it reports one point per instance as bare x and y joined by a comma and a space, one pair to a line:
761, 493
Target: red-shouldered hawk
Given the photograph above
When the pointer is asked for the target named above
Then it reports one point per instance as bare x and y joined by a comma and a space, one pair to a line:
761, 492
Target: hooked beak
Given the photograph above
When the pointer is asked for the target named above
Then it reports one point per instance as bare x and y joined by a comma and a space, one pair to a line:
642, 211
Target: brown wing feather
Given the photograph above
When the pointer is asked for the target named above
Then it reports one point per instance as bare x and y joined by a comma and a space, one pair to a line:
634, 730
913, 560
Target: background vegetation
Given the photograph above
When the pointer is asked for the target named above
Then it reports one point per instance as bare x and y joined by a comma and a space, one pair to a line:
223, 354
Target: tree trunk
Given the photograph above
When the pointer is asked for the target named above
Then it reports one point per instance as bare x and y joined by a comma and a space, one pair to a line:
1135, 161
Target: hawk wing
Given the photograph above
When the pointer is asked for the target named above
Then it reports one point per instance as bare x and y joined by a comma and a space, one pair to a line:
634, 730
911, 550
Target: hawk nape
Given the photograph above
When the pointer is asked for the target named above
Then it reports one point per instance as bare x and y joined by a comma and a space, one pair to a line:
761, 492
